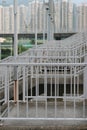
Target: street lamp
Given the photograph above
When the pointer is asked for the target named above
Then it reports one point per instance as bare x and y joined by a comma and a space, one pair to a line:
3, 3
44, 26
0, 50
15, 30
50, 20
35, 21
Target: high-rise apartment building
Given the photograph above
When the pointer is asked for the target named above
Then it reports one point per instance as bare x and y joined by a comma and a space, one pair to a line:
32, 15
6, 19
11, 19
36, 16
22, 16
40, 15
1, 19
75, 18
68, 17
82, 17
57, 16
64, 16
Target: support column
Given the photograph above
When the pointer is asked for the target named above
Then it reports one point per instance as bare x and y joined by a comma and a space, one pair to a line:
85, 80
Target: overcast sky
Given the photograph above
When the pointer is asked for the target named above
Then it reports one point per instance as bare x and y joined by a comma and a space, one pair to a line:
25, 1
79, 1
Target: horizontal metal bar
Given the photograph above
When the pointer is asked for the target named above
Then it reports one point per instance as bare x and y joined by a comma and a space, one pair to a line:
2, 100
12, 82
42, 64
49, 57
53, 97
1, 87
60, 119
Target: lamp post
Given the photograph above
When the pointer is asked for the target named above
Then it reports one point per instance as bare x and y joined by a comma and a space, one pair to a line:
15, 30
3, 3
35, 12
36, 23
0, 51
44, 12
15, 52
50, 20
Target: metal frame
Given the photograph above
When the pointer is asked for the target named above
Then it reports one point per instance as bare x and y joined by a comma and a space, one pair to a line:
38, 76
32, 78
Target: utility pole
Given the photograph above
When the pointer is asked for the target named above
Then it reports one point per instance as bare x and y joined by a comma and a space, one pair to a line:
3, 4
0, 51
15, 30
36, 23
44, 19
15, 52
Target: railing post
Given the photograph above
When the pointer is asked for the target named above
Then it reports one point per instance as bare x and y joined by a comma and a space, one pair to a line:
85, 80
0, 52
24, 83
6, 80
15, 84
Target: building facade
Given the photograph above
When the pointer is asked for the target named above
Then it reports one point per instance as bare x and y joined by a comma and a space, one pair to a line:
68, 17
82, 17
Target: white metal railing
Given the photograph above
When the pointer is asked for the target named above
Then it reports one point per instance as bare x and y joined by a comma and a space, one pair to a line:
34, 105
40, 81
